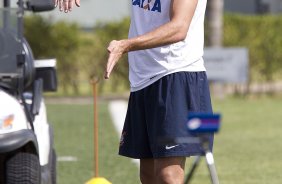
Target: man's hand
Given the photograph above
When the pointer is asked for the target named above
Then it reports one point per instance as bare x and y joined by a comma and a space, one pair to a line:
116, 49
66, 5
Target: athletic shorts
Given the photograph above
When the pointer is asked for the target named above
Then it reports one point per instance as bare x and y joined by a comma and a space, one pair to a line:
160, 111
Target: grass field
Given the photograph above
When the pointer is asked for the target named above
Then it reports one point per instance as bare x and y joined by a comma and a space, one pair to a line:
247, 150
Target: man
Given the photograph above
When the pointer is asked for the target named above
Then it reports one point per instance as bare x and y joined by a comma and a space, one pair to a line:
167, 78
66, 5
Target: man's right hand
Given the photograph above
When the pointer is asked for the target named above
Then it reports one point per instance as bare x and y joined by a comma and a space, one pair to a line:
66, 5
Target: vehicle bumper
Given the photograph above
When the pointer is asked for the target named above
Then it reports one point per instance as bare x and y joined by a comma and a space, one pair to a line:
14, 140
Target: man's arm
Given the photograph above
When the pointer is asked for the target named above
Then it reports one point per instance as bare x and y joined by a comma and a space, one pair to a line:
181, 14
66, 5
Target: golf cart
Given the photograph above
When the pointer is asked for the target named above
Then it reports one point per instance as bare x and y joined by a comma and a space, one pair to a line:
27, 155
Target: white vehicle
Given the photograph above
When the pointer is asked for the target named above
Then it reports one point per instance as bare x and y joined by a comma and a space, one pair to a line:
27, 155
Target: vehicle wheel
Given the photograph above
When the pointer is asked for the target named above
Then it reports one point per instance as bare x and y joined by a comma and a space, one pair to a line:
2, 169
53, 167
23, 168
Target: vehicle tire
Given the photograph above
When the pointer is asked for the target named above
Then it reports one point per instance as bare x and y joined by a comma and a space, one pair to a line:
54, 167
23, 168
2, 169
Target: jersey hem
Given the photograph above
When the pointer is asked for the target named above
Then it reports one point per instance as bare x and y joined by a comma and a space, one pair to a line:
137, 88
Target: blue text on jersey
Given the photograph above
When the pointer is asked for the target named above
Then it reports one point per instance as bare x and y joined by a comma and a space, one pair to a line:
146, 4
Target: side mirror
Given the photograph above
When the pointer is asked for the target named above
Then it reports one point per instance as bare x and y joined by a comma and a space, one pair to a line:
40, 5
45, 70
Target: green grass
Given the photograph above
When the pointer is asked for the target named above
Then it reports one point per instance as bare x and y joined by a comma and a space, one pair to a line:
247, 149
73, 127
249, 146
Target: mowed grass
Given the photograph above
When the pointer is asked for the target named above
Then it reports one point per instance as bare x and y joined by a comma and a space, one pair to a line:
73, 128
247, 150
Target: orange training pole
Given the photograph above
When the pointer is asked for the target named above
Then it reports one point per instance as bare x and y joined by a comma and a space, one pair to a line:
96, 142
96, 179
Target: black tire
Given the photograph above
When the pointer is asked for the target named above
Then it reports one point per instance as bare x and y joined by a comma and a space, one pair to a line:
23, 168
54, 167
2, 168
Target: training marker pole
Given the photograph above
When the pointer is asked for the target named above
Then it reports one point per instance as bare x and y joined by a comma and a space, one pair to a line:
96, 179
96, 142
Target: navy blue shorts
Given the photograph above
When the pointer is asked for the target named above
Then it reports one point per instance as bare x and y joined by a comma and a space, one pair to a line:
160, 111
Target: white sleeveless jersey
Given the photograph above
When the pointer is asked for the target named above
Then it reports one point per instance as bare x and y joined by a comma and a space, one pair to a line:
147, 66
